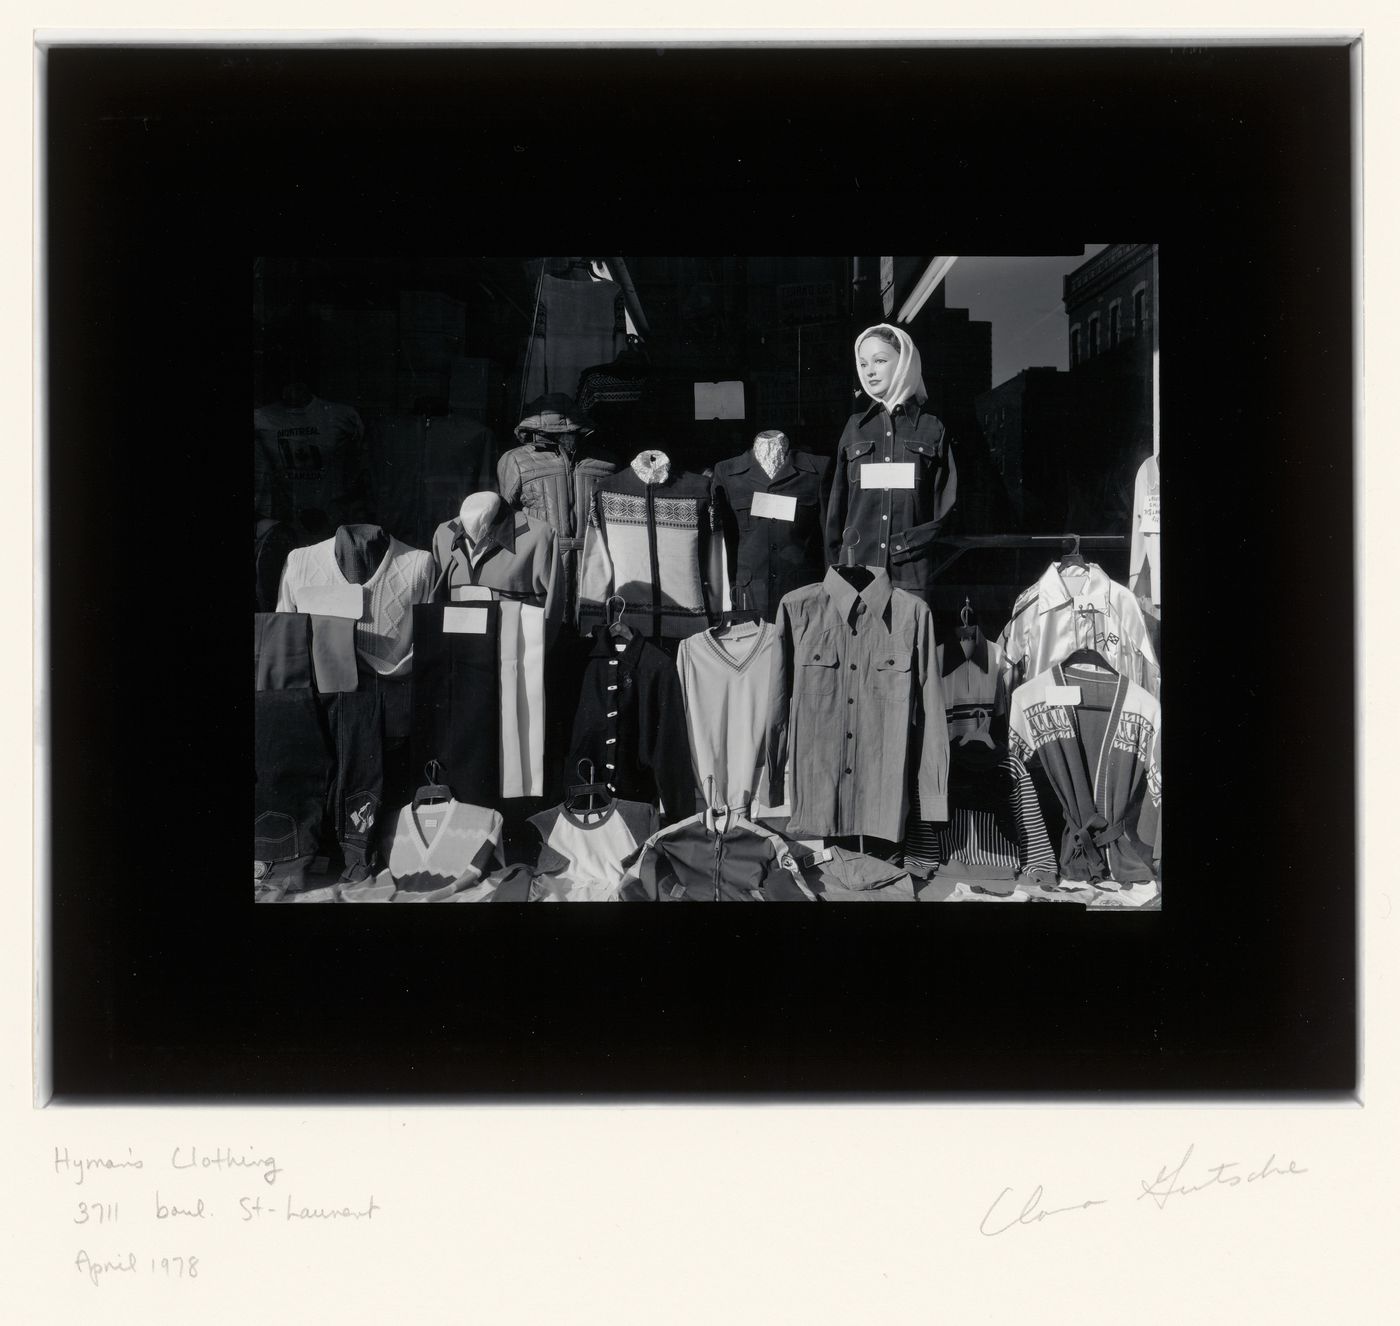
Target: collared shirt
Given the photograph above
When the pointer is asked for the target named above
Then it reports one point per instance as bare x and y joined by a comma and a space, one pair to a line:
857, 700
770, 555
631, 724
896, 525
1071, 608
517, 558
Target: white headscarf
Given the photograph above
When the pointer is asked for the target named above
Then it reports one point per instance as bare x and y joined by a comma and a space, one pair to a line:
908, 374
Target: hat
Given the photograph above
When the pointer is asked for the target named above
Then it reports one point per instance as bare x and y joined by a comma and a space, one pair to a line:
553, 413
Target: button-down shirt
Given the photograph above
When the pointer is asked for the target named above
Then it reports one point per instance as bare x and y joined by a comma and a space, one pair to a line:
856, 699
896, 525
1069, 609
769, 556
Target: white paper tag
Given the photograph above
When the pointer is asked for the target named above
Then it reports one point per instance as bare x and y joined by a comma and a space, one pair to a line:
1151, 515
1062, 695
470, 594
770, 506
331, 600
887, 474
464, 621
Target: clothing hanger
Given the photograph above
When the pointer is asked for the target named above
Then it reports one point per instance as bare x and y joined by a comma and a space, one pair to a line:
858, 577
589, 790
1073, 557
968, 618
434, 789
615, 628
1093, 658
745, 612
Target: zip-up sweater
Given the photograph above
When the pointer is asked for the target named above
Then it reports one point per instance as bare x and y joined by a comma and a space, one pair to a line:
653, 539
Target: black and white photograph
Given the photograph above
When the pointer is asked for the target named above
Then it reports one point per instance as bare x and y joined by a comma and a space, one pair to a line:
810, 549
779, 579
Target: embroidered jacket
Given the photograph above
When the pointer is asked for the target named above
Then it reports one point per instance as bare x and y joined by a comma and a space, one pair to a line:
652, 538
1099, 757
1070, 608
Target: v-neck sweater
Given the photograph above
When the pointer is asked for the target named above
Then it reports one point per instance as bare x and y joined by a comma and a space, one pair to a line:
726, 710
454, 855
384, 634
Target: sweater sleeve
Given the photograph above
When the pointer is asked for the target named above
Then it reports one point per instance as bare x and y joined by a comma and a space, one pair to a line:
779, 701
933, 749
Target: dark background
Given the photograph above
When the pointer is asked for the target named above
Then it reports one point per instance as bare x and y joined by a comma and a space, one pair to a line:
170, 170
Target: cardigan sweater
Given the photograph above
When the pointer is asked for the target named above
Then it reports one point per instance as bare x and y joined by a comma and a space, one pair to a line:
631, 724
655, 542
384, 634
1100, 757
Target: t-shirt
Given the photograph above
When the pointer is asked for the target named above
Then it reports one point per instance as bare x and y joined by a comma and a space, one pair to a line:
584, 854
308, 461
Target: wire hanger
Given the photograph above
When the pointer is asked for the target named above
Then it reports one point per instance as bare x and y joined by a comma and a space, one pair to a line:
615, 627
590, 790
434, 789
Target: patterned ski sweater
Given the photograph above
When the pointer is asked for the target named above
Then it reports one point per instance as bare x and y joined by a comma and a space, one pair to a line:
653, 539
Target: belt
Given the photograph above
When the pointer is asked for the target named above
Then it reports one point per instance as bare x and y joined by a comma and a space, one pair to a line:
1090, 838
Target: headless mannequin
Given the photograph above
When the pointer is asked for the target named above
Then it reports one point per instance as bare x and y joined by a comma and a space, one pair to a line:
770, 449
359, 551
479, 512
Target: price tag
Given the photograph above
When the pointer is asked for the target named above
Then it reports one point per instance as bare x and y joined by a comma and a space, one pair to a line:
770, 506
470, 594
1062, 695
331, 600
1151, 515
887, 474
464, 621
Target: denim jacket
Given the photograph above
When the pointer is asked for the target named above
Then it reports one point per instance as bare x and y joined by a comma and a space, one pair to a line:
896, 525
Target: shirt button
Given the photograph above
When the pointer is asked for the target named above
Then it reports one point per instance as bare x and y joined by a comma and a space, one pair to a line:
848, 771
889, 457
851, 700
884, 517
882, 545
848, 736
853, 667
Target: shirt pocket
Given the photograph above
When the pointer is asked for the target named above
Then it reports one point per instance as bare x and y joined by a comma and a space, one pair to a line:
856, 454
818, 666
890, 673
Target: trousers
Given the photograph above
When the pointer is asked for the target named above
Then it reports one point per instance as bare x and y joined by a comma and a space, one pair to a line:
456, 696
292, 759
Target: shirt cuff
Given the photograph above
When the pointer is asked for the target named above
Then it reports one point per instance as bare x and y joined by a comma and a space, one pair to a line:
933, 808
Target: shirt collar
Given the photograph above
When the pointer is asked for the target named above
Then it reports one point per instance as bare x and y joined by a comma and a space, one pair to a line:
953, 657
603, 646
875, 596
1054, 593
913, 408
499, 534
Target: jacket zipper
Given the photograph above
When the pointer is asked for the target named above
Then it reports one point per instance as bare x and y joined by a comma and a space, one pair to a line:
655, 561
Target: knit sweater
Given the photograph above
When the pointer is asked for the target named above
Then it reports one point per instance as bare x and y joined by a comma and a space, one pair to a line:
1100, 757
724, 682
653, 539
437, 850
384, 634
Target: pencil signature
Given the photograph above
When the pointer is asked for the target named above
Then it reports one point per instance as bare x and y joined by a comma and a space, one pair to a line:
1170, 1182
